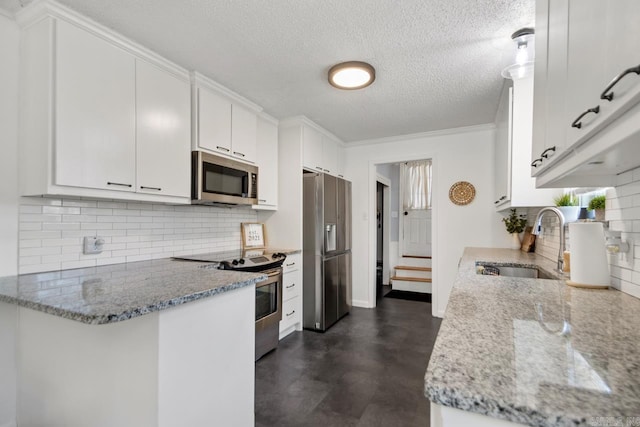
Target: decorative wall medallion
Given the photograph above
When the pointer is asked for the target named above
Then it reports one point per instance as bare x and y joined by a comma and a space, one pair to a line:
462, 193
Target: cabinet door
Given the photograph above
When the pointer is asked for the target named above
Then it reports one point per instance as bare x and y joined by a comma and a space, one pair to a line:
503, 149
312, 149
244, 125
623, 44
214, 122
329, 155
538, 141
163, 132
94, 111
586, 67
557, 121
267, 163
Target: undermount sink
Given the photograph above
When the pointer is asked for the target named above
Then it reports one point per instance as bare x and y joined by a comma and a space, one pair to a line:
489, 269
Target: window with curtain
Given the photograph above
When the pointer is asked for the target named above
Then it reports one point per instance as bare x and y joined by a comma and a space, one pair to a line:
417, 184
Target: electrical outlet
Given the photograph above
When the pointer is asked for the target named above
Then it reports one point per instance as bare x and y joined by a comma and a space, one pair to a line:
93, 245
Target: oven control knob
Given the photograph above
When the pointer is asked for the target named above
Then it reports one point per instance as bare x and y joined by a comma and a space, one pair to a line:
241, 260
234, 262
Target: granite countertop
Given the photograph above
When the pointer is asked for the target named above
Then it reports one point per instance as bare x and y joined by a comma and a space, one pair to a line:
535, 351
113, 293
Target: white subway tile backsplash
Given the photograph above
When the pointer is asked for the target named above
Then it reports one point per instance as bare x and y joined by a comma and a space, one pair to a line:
52, 231
623, 214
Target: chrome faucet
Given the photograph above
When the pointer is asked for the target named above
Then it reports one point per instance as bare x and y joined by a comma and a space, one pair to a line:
563, 244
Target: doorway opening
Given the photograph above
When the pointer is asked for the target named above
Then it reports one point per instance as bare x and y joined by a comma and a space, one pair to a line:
409, 230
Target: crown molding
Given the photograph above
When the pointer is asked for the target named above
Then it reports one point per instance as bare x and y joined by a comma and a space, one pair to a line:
304, 120
199, 79
269, 118
41, 9
421, 135
7, 14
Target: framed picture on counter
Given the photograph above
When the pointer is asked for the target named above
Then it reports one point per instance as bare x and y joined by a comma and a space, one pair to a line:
252, 235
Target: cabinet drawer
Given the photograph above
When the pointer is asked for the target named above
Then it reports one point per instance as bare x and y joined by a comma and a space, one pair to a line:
290, 313
291, 286
292, 263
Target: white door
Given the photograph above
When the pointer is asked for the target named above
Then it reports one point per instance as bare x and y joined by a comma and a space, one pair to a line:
416, 236
163, 132
415, 224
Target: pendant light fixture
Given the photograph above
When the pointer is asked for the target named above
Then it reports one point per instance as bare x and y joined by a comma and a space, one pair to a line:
525, 54
351, 75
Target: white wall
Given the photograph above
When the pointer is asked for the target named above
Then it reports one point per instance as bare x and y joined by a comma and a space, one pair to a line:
9, 43
465, 154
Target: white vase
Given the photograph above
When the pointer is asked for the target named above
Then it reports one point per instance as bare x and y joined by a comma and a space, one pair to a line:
515, 241
570, 213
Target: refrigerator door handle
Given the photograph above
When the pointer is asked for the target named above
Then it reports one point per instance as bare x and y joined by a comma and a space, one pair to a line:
330, 237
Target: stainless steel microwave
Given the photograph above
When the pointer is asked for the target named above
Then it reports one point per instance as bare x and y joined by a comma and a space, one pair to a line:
218, 180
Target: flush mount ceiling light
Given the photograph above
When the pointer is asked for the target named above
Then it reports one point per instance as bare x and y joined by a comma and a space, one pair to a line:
523, 38
351, 75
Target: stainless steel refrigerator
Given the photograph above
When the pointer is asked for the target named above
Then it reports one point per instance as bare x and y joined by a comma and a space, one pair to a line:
326, 226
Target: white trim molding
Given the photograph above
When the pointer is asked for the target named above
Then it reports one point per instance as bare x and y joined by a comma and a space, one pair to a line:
430, 134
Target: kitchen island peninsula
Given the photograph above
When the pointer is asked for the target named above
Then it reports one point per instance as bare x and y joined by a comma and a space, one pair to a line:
151, 343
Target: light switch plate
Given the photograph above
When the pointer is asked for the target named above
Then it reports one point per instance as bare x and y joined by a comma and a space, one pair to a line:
92, 245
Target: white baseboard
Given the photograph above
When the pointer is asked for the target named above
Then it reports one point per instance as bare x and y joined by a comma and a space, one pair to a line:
439, 314
361, 303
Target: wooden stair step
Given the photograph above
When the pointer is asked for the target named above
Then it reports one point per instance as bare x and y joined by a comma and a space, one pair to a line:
408, 267
412, 279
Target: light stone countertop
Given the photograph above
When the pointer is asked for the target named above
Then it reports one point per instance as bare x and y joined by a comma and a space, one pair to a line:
535, 351
113, 293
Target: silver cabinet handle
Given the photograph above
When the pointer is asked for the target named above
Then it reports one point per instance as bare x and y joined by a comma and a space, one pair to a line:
289, 287
577, 123
119, 184
326, 170
222, 148
290, 264
616, 79
150, 188
290, 314
237, 153
262, 200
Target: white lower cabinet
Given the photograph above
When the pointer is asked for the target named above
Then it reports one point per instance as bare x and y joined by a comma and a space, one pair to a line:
291, 296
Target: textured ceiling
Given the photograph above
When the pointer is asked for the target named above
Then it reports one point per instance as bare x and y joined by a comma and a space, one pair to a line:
437, 62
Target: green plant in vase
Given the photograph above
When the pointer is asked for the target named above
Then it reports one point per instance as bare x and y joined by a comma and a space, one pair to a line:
515, 225
568, 205
598, 204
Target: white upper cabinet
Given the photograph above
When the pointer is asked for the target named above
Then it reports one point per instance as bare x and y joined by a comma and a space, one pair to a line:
267, 154
321, 152
101, 117
312, 149
514, 185
214, 121
163, 132
585, 68
550, 84
94, 111
223, 122
330, 155
244, 124
596, 134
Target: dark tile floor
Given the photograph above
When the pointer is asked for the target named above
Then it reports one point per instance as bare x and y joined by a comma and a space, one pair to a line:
367, 370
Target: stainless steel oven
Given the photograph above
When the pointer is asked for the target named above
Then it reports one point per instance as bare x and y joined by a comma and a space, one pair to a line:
268, 312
